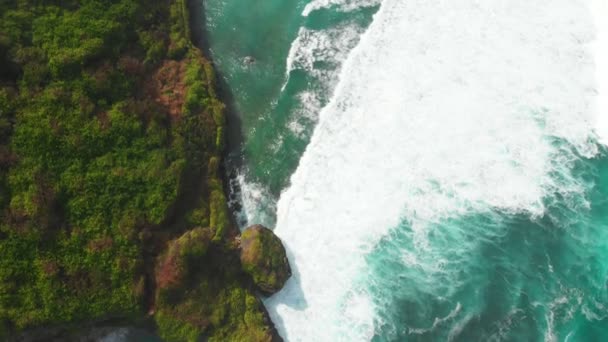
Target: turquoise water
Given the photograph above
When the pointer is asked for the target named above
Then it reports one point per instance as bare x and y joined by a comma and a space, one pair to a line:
434, 177
504, 277
278, 96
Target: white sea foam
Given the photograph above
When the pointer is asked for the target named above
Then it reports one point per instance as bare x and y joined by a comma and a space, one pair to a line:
435, 116
341, 5
328, 47
256, 203
438, 321
306, 114
118, 335
320, 54
599, 8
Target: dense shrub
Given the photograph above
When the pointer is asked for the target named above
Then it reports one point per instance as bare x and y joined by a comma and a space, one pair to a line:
95, 173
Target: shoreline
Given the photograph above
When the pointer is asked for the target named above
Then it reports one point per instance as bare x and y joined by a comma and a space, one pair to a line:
234, 136
231, 155
188, 279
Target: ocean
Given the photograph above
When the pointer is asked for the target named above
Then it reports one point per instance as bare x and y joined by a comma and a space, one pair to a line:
437, 170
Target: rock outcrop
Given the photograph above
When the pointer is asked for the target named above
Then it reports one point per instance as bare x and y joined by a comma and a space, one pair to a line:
201, 293
263, 257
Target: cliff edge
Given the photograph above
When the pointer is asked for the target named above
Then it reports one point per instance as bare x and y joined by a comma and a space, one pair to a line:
112, 208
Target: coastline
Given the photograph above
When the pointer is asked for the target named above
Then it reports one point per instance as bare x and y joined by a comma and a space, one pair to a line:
232, 158
232, 154
234, 136
189, 282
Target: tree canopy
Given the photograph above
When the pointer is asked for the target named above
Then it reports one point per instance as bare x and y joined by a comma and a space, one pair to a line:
97, 172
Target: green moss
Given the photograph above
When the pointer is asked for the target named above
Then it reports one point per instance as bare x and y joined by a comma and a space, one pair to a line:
233, 314
181, 255
174, 329
201, 130
180, 30
154, 45
263, 258
213, 168
199, 217
218, 209
219, 140
245, 321
218, 213
193, 244
210, 76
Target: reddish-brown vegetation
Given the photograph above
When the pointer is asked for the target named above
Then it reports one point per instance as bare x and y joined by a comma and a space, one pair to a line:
101, 244
169, 273
167, 87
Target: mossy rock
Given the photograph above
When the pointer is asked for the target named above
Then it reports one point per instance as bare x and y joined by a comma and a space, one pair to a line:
263, 258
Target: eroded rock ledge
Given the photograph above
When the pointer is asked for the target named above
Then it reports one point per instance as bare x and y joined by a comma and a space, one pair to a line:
205, 287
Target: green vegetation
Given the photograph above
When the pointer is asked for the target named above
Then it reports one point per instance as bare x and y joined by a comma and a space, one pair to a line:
110, 143
199, 292
263, 257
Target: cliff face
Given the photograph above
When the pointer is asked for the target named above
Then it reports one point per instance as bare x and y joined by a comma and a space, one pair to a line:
111, 202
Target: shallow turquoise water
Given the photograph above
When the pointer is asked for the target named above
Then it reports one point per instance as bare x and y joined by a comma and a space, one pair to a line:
487, 268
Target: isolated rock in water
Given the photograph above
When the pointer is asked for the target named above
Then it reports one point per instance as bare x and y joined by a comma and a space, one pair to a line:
263, 258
